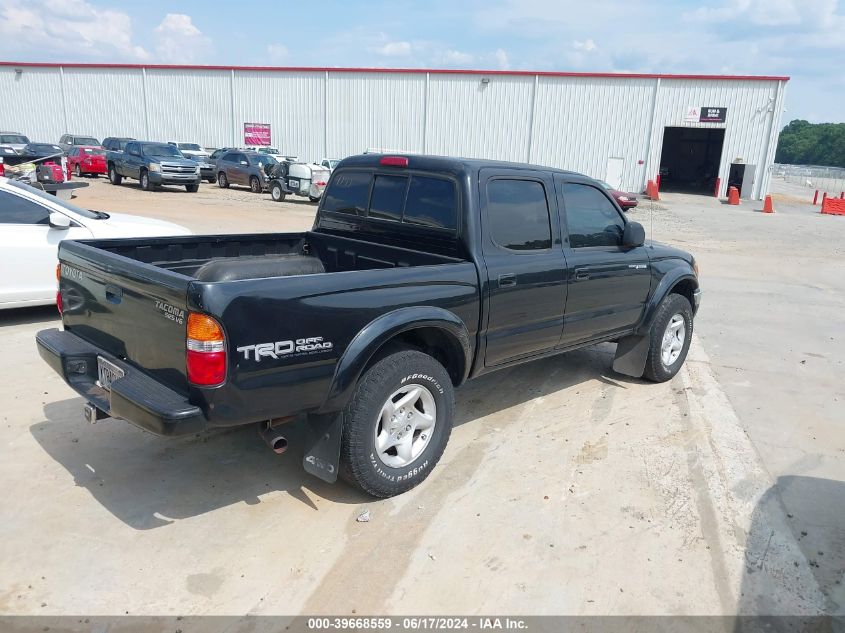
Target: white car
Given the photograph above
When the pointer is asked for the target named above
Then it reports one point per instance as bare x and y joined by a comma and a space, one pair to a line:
192, 150
32, 223
329, 163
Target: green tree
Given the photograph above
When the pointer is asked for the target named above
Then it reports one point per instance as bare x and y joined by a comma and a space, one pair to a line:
805, 143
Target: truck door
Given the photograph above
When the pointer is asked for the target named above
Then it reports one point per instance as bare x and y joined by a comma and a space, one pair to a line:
526, 269
608, 283
132, 161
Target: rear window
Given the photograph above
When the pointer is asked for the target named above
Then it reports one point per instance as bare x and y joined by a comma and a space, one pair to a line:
85, 140
431, 202
348, 193
14, 139
388, 197
95, 152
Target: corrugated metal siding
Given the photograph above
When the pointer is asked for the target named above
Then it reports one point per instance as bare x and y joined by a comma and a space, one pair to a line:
564, 121
192, 106
104, 105
581, 122
375, 110
476, 120
746, 126
31, 103
293, 105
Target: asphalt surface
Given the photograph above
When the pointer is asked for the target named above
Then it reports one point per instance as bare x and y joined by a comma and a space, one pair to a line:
565, 489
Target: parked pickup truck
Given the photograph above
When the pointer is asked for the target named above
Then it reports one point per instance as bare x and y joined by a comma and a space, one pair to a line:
153, 164
418, 274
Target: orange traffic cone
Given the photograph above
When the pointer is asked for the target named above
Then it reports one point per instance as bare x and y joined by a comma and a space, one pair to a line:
733, 195
767, 205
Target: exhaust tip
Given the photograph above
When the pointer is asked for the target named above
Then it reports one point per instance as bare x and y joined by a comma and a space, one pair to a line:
277, 442
279, 445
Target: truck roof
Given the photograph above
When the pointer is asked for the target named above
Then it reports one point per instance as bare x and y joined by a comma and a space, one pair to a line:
446, 163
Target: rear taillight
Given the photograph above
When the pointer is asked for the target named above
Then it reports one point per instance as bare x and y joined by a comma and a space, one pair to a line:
2, 169
205, 356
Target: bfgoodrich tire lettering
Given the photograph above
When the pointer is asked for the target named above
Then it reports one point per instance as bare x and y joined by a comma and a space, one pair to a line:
673, 308
361, 464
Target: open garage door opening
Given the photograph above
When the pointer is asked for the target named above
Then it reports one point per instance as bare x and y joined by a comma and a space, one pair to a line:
689, 161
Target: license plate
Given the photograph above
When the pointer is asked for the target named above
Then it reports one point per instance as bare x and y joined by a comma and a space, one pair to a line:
108, 372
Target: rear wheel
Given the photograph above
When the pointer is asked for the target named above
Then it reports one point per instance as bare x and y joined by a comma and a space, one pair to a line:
254, 185
276, 192
671, 333
114, 177
222, 181
313, 198
77, 171
397, 424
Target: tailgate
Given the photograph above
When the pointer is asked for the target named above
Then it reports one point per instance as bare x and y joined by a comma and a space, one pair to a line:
127, 308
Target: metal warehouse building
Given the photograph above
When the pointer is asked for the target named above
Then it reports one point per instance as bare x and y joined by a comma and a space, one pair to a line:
697, 132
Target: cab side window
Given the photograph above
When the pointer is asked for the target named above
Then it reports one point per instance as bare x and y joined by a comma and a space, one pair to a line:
518, 214
591, 218
18, 210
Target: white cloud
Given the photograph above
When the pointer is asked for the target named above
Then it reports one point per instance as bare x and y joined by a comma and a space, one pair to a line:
393, 49
277, 52
178, 40
454, 58
72, 28
587, 45
502, 60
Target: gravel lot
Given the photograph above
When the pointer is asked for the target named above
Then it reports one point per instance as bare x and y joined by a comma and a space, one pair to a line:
565, 489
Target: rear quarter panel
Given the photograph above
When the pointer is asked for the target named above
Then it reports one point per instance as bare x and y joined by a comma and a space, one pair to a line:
333, 307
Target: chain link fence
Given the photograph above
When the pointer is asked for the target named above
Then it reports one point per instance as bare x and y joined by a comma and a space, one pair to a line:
829, 179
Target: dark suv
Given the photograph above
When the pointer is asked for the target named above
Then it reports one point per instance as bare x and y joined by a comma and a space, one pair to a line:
241, 167
116, 143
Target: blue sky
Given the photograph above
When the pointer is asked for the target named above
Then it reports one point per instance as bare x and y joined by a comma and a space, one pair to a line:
803, 39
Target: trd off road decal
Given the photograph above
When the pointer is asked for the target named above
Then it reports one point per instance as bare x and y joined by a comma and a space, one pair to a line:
283, 349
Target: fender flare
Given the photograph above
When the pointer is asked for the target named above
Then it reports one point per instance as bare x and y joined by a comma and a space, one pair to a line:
378, 332
664, 287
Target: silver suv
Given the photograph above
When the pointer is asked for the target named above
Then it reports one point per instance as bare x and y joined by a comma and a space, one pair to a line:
240, 167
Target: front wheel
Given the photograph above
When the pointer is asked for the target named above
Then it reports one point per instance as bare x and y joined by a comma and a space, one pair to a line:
314, 198
192, 188
671, 333
276, 192
77, 171
397, 424
146, 184
114, 177
212, 180
222, 181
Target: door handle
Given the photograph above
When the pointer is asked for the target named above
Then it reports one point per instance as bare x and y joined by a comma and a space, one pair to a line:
114, 294
582, 274
508, 279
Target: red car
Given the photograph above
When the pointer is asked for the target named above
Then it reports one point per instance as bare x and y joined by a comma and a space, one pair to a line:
87, 159
623, 198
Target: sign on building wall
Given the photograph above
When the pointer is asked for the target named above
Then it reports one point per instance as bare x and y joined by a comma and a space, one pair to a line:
705, 114
256, 134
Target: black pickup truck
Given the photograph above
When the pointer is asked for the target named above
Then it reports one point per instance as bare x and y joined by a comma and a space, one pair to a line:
419, 273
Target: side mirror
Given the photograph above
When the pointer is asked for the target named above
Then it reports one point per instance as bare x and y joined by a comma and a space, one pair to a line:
243, 162
59, 221
634, 235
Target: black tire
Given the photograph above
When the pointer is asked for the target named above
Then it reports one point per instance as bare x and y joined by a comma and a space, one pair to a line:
146, 184
254, 184
114, 177
222, 181
361, 464
192, 188
277, 193
655, 368
212, 180
313, 198
77, 171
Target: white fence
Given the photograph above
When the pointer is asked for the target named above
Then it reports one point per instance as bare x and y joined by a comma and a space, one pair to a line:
829, 179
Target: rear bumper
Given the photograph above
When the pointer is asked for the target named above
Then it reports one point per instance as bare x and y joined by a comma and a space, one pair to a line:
136, 397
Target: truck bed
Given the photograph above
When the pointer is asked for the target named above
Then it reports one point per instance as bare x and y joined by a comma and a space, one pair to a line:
186, 255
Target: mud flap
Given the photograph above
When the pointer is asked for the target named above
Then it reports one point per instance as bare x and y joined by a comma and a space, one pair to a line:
631, 354
323, 454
